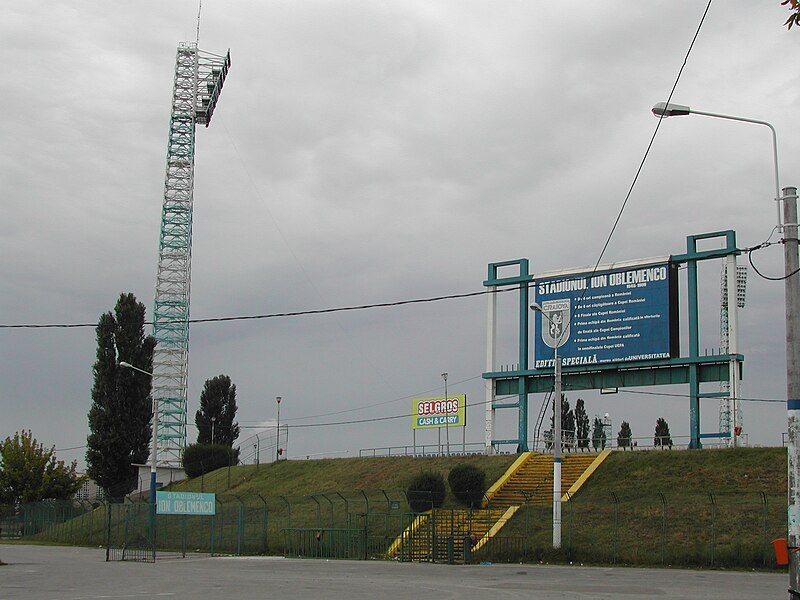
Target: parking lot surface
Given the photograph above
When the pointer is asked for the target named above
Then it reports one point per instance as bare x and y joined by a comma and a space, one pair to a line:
65, 573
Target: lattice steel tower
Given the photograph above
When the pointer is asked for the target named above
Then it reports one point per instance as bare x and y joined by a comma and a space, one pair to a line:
199, 77
728, 419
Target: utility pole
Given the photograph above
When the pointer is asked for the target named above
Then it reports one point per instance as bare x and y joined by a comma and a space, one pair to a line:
792, 299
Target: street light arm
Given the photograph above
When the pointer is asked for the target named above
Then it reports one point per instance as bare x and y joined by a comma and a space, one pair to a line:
663, 110
127, 365
774, 149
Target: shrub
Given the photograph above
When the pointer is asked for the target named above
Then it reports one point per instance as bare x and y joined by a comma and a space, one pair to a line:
467, 483
199, 459
426, 491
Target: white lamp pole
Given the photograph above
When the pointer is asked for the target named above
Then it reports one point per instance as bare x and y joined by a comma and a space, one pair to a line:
278, 437
154, 440
556, 436
792, 308
446, 415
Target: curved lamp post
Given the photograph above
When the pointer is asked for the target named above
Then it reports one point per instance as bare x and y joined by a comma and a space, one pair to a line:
792, 308
536, 307
154, 440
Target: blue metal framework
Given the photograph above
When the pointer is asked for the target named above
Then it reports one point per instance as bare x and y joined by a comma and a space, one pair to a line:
199, 77
692, 369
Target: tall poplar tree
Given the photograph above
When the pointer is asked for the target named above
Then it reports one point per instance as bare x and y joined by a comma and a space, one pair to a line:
598, 434
581, 424
215, 419
662, 436
121, 412
625, 436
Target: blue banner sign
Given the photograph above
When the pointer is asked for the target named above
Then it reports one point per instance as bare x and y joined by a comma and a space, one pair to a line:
185, 503
616, 315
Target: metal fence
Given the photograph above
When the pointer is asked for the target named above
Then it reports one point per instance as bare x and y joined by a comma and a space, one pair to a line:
659, 528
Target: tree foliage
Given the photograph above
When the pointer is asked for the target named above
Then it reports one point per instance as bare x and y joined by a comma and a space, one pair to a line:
662, 436
624, 437
121, 412
467, 483
199, 459
567, 423
581, 424
426, 491
29, 472
794, 18
598, 434
215, 419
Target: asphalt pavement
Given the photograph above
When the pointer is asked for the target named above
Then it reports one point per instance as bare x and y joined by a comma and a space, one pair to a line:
66, 573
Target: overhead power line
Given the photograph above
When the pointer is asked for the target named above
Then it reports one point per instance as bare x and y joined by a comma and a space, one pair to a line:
298, 313
649, 147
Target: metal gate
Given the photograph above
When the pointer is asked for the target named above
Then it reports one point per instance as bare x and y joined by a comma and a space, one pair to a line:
130, 532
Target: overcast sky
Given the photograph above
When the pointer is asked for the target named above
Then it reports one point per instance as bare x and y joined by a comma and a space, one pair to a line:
366, 152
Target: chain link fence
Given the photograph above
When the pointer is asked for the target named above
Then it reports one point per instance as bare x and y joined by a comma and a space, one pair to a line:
728, 529
711, 530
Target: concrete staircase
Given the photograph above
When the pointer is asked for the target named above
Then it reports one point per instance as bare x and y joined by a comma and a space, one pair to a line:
532, 480
439, 535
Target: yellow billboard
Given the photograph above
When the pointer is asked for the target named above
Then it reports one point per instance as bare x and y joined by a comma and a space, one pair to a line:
431, 413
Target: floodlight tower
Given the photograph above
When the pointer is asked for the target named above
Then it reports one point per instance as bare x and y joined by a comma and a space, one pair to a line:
199, 77
730, 412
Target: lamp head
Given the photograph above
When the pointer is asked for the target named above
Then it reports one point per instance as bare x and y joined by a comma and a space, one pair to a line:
662, 109
535, 306
122, 363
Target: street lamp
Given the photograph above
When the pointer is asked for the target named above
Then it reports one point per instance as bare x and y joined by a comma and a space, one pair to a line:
153, 452
663, 110
278, 437
446, 416
792, 308
536, 307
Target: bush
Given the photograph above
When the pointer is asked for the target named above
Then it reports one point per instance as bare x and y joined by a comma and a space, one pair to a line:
199, 459
426, 491
467, 483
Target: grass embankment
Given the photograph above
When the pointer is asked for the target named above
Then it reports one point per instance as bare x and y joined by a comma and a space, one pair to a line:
297, 479
257, 503
699, 508
688, 508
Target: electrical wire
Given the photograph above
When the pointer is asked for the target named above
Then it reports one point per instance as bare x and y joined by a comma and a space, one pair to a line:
365, 407
767, 400
298, 313
647, 150
750, 251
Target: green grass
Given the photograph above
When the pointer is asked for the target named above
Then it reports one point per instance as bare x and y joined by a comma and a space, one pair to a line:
717, 508
294, 479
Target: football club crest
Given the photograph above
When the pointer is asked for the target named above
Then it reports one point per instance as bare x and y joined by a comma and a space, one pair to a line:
555, 322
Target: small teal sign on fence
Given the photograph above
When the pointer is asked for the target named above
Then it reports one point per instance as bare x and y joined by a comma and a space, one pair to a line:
185, 503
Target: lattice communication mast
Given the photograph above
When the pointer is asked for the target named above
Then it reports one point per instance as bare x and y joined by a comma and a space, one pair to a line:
199, 77
730, 412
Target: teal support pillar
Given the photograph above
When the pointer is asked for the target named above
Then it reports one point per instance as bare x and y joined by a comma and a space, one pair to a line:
691, 258
694, 352
524, 310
